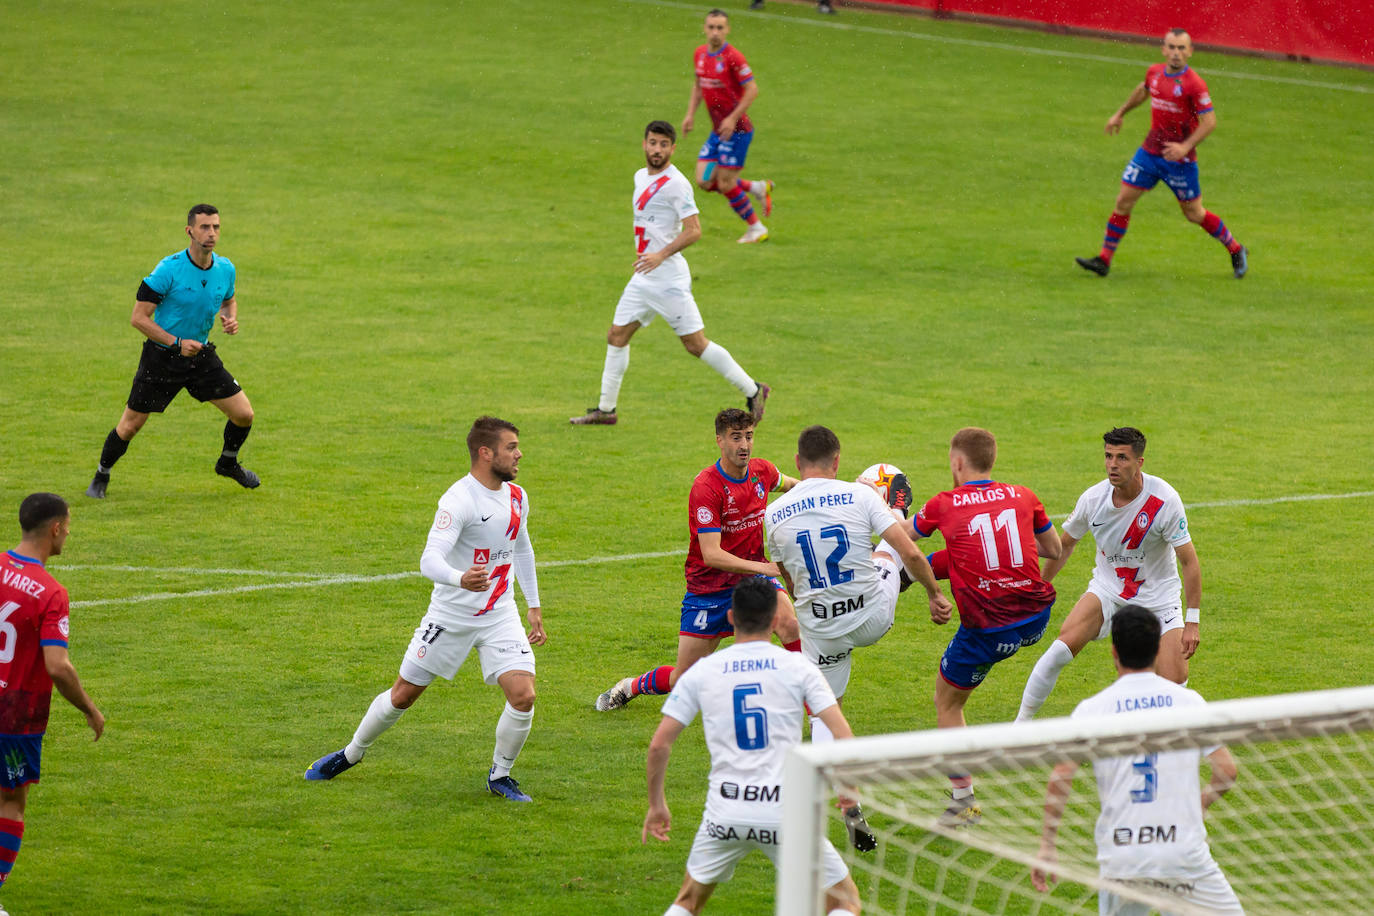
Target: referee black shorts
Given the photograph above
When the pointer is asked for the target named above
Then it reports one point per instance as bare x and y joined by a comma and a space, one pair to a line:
162, 374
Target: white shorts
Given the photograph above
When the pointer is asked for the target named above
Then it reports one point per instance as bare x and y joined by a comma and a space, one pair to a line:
832, 654
1170, 616
666, 291
719, 845
1211, 892
438, 649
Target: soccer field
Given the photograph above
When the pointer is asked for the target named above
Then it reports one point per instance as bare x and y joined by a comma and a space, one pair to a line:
427, 207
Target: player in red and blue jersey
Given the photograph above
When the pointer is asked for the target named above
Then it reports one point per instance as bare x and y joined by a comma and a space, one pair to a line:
722, 78
725, 519
995, 534
34, 625
1181, 117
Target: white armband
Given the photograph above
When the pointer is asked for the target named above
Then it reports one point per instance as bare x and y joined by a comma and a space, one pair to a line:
1193, 615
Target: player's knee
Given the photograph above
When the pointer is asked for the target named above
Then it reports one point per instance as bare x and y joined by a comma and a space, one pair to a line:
244, 416
695, 345
618, 336
521, 697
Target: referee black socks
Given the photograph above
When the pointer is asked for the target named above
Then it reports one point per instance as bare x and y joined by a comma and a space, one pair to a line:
233, 441
112, 451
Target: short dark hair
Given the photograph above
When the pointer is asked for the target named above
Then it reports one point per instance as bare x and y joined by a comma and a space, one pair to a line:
754, 602
1178, 31
198, 209
39, 509
1126, 435
717, 12
733, 418
816, 445
977, 445
486, 431
661, 127
1135, 634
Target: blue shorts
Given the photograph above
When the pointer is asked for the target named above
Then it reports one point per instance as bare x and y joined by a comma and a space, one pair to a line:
1145, 170
20, 756
972, 653
728, 154
704, 616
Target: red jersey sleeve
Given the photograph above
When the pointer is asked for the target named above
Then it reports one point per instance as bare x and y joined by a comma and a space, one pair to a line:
769, 475
703, 506
1039, 517
739, 66
53, 622
928, 519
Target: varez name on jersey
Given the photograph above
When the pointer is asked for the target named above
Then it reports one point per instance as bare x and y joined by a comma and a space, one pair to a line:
994, 568
187, 296
1176, 99
1135, 543
475, 526
660, 203
750, 697
721, 77
734, 507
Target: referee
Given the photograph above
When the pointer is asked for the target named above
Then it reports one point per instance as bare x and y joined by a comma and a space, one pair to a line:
175, 310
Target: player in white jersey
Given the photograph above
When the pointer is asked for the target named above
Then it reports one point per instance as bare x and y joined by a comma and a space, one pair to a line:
1141, 532
751, 696
1150, 832
666, 222
479, 540
820, 533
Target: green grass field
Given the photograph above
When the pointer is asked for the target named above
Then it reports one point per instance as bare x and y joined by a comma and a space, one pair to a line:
426, 203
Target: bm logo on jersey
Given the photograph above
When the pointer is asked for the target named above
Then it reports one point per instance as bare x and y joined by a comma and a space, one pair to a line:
481, 556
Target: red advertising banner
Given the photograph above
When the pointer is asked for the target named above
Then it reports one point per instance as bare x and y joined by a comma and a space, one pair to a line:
1331, 30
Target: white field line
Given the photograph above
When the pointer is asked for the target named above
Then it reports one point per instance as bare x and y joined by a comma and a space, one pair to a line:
315, 579
1015, 48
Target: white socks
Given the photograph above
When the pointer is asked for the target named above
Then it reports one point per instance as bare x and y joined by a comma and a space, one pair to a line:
380, 716
617, 361
1042, 678
719, 359
676, 910
511, 731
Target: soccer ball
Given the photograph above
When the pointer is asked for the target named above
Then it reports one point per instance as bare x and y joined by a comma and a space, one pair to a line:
880, 475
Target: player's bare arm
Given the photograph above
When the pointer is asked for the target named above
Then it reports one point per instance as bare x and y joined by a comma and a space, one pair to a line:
229, 315
1177, 152
64, 678
727, 125
714, 556
786, 483
918, 568
1191, 572
1137, 97
1056, 799
691, 231
658, 820
689, 120
142, 319
536, 634
1050, 566
1223, 776
1048, 544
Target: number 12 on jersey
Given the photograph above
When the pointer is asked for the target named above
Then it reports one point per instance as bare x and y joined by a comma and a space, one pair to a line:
837, 576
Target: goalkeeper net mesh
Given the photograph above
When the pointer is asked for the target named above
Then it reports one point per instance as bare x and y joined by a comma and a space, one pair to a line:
1294, 835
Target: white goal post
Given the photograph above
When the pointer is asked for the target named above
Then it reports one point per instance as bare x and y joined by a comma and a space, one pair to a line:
1294, 835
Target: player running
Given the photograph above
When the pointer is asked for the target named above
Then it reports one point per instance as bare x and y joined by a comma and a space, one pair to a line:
34, 627
724, 81
725, 520
666, 222
1181, 117
995, 534
1140, 794
751, 696
1141, 532
480, 537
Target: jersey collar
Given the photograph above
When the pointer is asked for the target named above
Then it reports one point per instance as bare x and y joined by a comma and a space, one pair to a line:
721, 471
20, 556
979, 483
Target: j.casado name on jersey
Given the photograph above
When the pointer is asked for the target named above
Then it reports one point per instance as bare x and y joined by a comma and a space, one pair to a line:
806, 503
728, 832
734, 791
1130, 704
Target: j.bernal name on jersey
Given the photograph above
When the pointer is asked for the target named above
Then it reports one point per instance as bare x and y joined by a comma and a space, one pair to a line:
765, 835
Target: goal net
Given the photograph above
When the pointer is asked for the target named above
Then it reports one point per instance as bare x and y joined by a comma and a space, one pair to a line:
1294, 835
